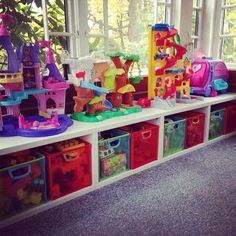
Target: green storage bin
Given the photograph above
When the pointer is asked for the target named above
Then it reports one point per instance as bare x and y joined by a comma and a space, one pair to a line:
216, 127
174, 134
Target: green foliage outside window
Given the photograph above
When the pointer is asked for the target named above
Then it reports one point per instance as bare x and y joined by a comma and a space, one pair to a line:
28, 23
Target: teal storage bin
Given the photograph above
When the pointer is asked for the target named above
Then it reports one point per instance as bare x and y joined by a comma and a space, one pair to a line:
22, 182
216, 127
114, 152
174, 135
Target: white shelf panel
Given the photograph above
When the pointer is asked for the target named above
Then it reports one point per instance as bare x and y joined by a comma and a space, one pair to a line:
181, 107
78, 129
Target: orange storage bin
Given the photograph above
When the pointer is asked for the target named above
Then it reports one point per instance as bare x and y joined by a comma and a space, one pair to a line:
69, 169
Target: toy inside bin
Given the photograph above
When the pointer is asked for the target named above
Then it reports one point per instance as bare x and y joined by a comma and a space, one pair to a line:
143, 143
174, 135
68, 167
113, 148
216, 127
194, 128
22, 182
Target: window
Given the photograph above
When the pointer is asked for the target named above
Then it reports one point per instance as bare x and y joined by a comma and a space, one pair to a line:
228, 31
163, 11
122, 25
196, 21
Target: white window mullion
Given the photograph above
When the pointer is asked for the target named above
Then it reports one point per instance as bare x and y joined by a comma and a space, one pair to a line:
45, 19
106, 24
83, 27
73, 28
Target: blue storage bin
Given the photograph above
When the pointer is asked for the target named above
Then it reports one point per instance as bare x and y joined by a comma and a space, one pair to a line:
22, 182
114, 153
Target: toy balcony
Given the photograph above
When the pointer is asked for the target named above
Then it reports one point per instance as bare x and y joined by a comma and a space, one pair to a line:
22, 182
68, 167
7, 78
113, 148
143, 136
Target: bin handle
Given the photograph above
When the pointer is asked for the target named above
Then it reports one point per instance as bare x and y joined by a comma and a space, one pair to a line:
195, 121
19, 176
71, 156
146, 134
217, 114
175, 126
113, 144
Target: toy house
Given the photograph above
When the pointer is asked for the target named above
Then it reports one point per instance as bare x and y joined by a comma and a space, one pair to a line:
23, 80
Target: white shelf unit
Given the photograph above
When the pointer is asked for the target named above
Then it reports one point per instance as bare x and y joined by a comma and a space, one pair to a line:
89, 132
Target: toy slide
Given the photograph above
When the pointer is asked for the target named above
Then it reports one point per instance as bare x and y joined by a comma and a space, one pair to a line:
170, 61
160, 40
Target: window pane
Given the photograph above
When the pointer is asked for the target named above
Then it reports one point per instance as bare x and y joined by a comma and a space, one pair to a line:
161, 14
95, 17
197, 3
229, 2
127, 26
28, 21
229, 19
56, 16
59, 43
228, 50
164, 1
96, 45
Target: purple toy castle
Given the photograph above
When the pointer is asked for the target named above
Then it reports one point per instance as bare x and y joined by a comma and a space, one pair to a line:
23, 80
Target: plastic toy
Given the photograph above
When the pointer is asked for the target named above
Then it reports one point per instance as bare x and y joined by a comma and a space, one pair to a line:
91, 104
47, 92
122, 93
210, 77
168, 74
144, 102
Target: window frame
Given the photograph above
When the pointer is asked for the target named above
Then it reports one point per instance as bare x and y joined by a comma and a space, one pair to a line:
209, 38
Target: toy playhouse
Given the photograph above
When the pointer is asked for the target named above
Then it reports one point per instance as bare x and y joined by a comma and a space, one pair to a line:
106, 92
22, 80
168, 72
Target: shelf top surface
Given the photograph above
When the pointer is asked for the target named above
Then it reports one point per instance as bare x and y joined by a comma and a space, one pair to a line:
79, 129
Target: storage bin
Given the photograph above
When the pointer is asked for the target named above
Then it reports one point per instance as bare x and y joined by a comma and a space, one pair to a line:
216, 127
230, 117
194, 128
143, 143
174, 133
113, 148
68, 167
22, 182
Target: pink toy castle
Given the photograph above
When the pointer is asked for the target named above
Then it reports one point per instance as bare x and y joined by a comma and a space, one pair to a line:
22, 81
